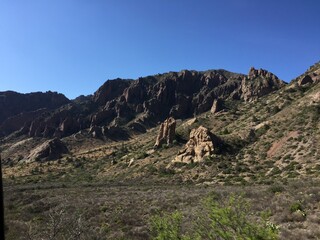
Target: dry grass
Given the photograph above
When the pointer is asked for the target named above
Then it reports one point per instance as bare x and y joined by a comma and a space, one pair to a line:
123, 211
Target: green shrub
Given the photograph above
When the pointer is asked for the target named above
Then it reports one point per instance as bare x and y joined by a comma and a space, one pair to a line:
230, 220
296, 206
167, 227
141, 155
276, 188
221, 221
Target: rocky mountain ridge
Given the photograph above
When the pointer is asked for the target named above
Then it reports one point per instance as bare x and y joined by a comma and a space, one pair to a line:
130, 105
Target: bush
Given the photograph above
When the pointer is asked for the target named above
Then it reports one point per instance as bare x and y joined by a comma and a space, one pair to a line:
276, 188
167, 227
297, 206
223, 221
163, 171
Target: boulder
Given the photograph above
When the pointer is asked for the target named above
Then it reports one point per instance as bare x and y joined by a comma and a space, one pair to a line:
202, 143
166, 132
49, 150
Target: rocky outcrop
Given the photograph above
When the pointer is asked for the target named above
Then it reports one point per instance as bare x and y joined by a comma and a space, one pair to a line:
217, 106
305, 80
166, 133
258, 83
111, 89
17, 122
202, 143
55, 124
49, 150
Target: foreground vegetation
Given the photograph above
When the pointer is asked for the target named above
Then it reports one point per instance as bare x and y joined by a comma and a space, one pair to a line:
146, 211
228, 220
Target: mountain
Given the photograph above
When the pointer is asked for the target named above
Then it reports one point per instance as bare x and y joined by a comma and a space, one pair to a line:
131, 104
107, 163
17, 109
260, 127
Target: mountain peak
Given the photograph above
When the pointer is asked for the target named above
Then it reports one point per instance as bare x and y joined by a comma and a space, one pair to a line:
253, 73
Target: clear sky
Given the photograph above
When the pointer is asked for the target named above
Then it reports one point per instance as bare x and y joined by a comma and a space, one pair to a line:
74, 46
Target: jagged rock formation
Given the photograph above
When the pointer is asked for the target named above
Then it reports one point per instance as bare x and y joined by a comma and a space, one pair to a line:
259, 82
166, 132
49, 150
134, 105
202, 143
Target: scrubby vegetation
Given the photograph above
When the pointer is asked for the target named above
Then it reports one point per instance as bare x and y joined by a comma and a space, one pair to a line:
229, 220
145, 211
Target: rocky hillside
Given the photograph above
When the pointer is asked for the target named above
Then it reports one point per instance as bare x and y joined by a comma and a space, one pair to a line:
223, 127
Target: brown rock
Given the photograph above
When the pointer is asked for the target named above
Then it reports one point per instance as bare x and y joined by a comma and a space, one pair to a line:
135, 93
103, 117
110, 90
49, 150
217, 106
166, 132
67, 125
259, 83
202, 143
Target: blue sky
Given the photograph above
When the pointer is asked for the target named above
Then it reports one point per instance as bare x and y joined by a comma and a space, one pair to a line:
74, 46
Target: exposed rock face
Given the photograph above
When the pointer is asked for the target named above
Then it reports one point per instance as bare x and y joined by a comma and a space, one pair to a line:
17, 109
19, 121
202, 143
166, 132
217, 106
259, 82
59, 123
13, 103
304, 80
110, 90
49, 150
145, 101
